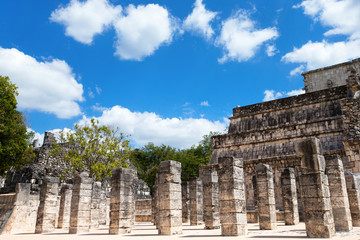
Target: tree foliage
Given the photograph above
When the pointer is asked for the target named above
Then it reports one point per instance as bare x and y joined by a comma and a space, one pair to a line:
15, 147
96, 149
148, 158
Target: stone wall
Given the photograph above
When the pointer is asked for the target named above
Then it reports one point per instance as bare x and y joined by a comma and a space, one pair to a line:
332, 76
18, 211
267, 130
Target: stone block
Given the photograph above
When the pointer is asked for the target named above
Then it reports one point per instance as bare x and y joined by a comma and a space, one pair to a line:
230, 161
233, 229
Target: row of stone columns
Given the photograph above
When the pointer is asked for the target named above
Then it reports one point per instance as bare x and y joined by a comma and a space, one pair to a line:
324, 193
223, 201
83, 204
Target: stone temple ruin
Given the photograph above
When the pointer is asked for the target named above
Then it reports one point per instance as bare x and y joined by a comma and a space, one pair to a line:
292, 159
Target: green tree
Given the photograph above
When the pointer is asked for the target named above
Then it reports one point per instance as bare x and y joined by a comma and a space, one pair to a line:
15, 148
148, 158
96, 149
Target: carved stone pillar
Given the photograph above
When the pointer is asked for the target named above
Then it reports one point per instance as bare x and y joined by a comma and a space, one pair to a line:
122, 201
338, 193
266, 197
48, 208
315, 194
209, 177
169, 193
288, 185
232, 201
196, 202
81, 204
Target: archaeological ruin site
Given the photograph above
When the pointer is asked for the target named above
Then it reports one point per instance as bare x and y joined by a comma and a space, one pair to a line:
284, 162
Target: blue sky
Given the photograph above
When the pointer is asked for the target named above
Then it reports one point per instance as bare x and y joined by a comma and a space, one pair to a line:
165, 71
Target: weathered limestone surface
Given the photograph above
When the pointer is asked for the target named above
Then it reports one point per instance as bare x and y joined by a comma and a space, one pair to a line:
103, 213
252, 209
354, 198
329, 77
80, 213
196, 201
65, 206
155, 201
266, 197
95, 205
185, 201
209, 177
315, 194
338, 193
48, 208
169, 202
232, 201
289, 194
18, 211
122, 201
143, 210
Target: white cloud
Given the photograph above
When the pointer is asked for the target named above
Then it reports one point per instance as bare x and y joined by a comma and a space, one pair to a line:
321, 54
83, 20
47, 86
295, 92
271, 50
272, 95
199, 20
91, 93
98, 90
240, 38
97, 107
149, 127
297, 70
205, 104
142, 31
343, 16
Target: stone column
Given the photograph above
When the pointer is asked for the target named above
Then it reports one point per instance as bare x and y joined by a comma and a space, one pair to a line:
315, 194
209, 177
48, 207
338, 193
196, 202
155, 202
232, 201
65, 206
256, 214
169, 202
266, 197
122, 201
81, 204
95, 205
102, 206
354, 198
288, 188
185, 201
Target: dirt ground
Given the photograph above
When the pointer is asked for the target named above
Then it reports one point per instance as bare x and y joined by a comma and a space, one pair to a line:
145, 231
